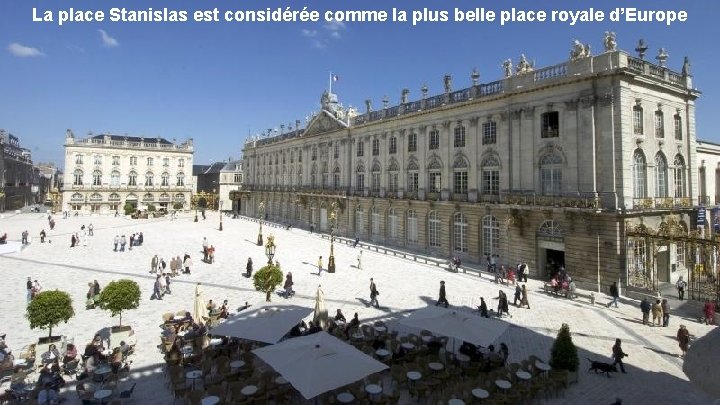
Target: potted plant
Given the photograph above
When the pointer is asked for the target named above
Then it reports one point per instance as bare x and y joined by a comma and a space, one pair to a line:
47, 310
267, 279
119, 296
563, 355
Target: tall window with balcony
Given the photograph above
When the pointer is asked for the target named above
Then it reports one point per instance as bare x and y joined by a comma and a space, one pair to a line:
375, 180
336, 178
360, 178
489, 133
661, 183
237, 178
292, 156
116, 160
490, 236
434, 139
550, 125
460, 177
659, 124
434, 177
165, 179
148, 179
132, 179
392, 224
460, 226
336, 150
180, 180
677, 126
679, 176
78, 177
551, 174
412, 227
459, 136
639, 175
97, 178
393, 145
490, 175
433, 229
166, 162
413, 177
375, 147
313, 176
325, 179
375, 222
115, 178
300, 156
360, 148
181, 162
313, 156
412, 142
300, 177
97, 160
638, 127
133, 160
359, 221
393, 177
78, 159
150, 161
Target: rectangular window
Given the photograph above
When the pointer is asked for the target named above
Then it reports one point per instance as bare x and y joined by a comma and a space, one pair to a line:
434, 139
459, 139
325, 178
166, 162
460, 182
336, 150
360, 182
393, 145
181, 162
491, 182
375, 182
393, 182
133, 160
638, 120
412, 231
375, 147
238, 178
149, 161
434, 183
489, 133
434, 232
413, 182
313, 157
78, 159
550, 125
360, 149
659, 124
680, 253
677, 123
98, 160
551, 180
116, 160
132, 179
412, 143
336, 181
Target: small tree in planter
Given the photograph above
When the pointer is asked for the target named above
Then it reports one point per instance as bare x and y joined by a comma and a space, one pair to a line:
129, 208
152, 208
48, 309
119, 296
267, 279
563, 355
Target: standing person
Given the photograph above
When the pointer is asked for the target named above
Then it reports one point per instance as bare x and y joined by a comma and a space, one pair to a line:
312, 228
29, 287
518, 295
42, 236
205, 249
288, 285
116, 241
618, 355
666, 313
249, 268
178, 265
96, 288
614, 293
373, 294
24, 237
123, 242
140, 239
211, 254
525, 297
357, 240
320, 265
162, 265
187, 264
524, 272
157, 292
72, 240
683, 337
167, 284
173, 268
90, 229
359, 260
657, 313
442, 297
36, 288
645, 309
709, 312
681, 284
154, 264
483, 308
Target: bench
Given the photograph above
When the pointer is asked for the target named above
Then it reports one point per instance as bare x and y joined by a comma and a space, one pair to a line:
564, 292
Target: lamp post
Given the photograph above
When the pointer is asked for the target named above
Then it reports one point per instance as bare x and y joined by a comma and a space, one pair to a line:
196, 219
270, 248
333, 224
261, 211
220, 211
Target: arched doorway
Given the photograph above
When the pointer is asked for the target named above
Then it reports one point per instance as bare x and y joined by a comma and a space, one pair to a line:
551, 248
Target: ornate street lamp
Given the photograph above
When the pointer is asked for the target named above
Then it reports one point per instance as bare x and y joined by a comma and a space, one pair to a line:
195, 213
220, 211
333, 225
270, 248
261, 210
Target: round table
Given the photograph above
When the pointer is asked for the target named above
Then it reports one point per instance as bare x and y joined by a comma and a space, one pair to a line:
182, 333
215, 342
211, 400
249, 390
382, 352
480, 393
523, 375
544, 367
380, 329
178, 317
462, 358
280, 380
192, 376
102, 394
357, 335
106, 353
407, 345
455, 401
373, 389
413, 376
236, 364
503, 384
435, 366
345, 397
427, 338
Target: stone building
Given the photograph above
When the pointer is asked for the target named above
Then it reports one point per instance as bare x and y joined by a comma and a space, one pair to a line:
19, 186
103, 172
553, 166
231, 179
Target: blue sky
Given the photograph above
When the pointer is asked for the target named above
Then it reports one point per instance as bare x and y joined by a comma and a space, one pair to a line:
217, 82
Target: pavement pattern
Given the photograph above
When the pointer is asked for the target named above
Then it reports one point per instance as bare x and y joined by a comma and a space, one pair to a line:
654, 367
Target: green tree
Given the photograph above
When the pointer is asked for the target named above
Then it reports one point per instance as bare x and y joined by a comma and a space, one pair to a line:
119, 296
563, 355
267, 279
129, 207
48, 309
177, 206
151, 208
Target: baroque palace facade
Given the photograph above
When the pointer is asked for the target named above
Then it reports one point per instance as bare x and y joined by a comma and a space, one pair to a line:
588, 164
103, 172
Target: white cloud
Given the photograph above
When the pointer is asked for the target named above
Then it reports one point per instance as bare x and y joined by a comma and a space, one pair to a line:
335, 26
336, 35
107, 40
319, 43
23, 51
309, 33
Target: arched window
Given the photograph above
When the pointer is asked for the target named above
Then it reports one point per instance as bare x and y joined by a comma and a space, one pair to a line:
661, 181
360, 178
359, 221
460, 176
180, 179
164, 197
375, 180
97, 178
148, 198
375, 221
393, 176
639, 175
77, 197
115, 178
679, 176
165, 178
490, 175
434, 176
114, 197
412, 227
336, 178
490, 236
78, 177
550, 228
95, 197
392, 224
179, 197
413, 177
460, 232
551, 174
433, 229
149, 179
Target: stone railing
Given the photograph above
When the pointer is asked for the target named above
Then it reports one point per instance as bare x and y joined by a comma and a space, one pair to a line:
116, 143
569, 201
551, 72
644, 67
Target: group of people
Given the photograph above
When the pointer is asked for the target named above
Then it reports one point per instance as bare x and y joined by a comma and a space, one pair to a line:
660, 312
33, 288
81, 238
208, 252
136, 239
93, 294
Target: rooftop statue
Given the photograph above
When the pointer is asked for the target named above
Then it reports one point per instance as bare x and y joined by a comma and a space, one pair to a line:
579, 51
686, 67
523, 65
508, 67
609, 41
662, 57
447, 81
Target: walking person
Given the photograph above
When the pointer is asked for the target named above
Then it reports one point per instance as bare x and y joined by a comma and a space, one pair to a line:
373, 294
681, 285
320, 266
178, 265
73, 241
618, 355
683, 337
657, 313
123, 242
483, 308
187, 264
205, 249
157, 289
666, 313
24, 237
615, 294
154, 264
211, 254
518, 295
42, 236
709, 312
645, 309
249, 268
523, 276
288, 285
525, 297
132, 241
90, 229
442, 297
359, 260
116, 242
167, 284
29, 286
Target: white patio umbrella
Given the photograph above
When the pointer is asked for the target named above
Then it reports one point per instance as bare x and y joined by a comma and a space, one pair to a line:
459, 325
318, 363
265, 324
321, 315
701, 362
200, 313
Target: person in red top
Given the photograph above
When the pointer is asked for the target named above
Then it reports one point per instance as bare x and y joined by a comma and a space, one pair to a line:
709, 311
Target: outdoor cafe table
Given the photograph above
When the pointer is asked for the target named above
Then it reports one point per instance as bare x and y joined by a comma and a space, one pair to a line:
345, 397
413, 376
380, 329
236, 364
543, 367
211, 400
503, 384
480, 393
382, 352
463, 359
455, 401
192, 376
249, 390
280, 380
523, 375
434, 366
407, 345
215, 342
102, 395
373, 389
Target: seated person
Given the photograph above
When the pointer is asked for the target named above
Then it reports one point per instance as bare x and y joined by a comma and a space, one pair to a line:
224, 310
354, 323
173, 356
3, 239
313, 328
17, 381
48, 396
434, 346
50, 355
469, 350
211, 307
504, 352
98, 342
378, 343
125, 349
339, 316
90, 350
117, 362
70, 353
298, 329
